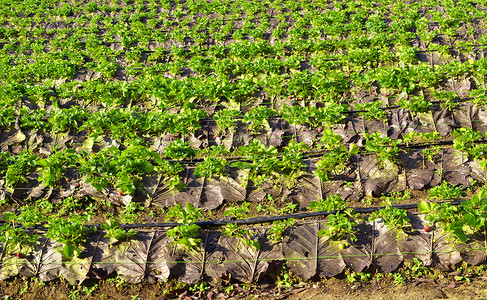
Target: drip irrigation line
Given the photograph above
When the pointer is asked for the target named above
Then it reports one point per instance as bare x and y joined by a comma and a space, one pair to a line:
279, 117
205, 30
259, 220
251, 221
320, 153
304, 133
309, 155
169, 51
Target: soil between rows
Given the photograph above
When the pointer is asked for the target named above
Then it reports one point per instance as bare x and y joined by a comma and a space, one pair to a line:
326, 289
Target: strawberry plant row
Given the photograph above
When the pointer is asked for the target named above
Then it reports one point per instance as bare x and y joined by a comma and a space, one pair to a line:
304, 124
141, 175
321, 249
304, 85
79, 40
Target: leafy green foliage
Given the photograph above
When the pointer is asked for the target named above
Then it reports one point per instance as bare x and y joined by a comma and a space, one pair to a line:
107, 75
334, 160
114, 231
393, 217
462, 221
52, 168
244, 235
226, 119
121, 168
416, 103
63, 120
445, 191
464, 141
211, 167
276, 232
179, 150
385, 148
340, 227
238, 211
70, 232
372, 110
264, 165
186, 233
333, 202
420, 137
257, 118
16, 167
187, 120
14, 232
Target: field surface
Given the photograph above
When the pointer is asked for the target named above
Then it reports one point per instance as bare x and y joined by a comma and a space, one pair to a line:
226, 144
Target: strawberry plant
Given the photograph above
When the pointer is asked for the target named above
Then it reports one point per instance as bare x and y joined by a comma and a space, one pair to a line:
186, 121
261, 162
171, 172
185, 234
420, 137
395, 218
35, 119
106, 67
334, 160
70, 232
340, 227
430, 153
52, 168
328, 115
16, 167
372, 110
211, 167
333, 202
263, 165
415, 103
397, 79
63, 120
295, 114
14, 231
475, 211
123, 169
464, 141
276, 232
385, 148
114, 231
292, 163
244, 235
179, 150
445, 191
445, 216
238, 212
257, 118
7, 116
226, 119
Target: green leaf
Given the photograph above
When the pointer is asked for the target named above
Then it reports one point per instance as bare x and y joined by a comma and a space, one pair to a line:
353, 149
148, 168
427, 207
68, 250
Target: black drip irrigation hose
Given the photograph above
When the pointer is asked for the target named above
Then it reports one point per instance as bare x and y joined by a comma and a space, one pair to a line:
252, 221
320, 153
259, 220
313, 154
